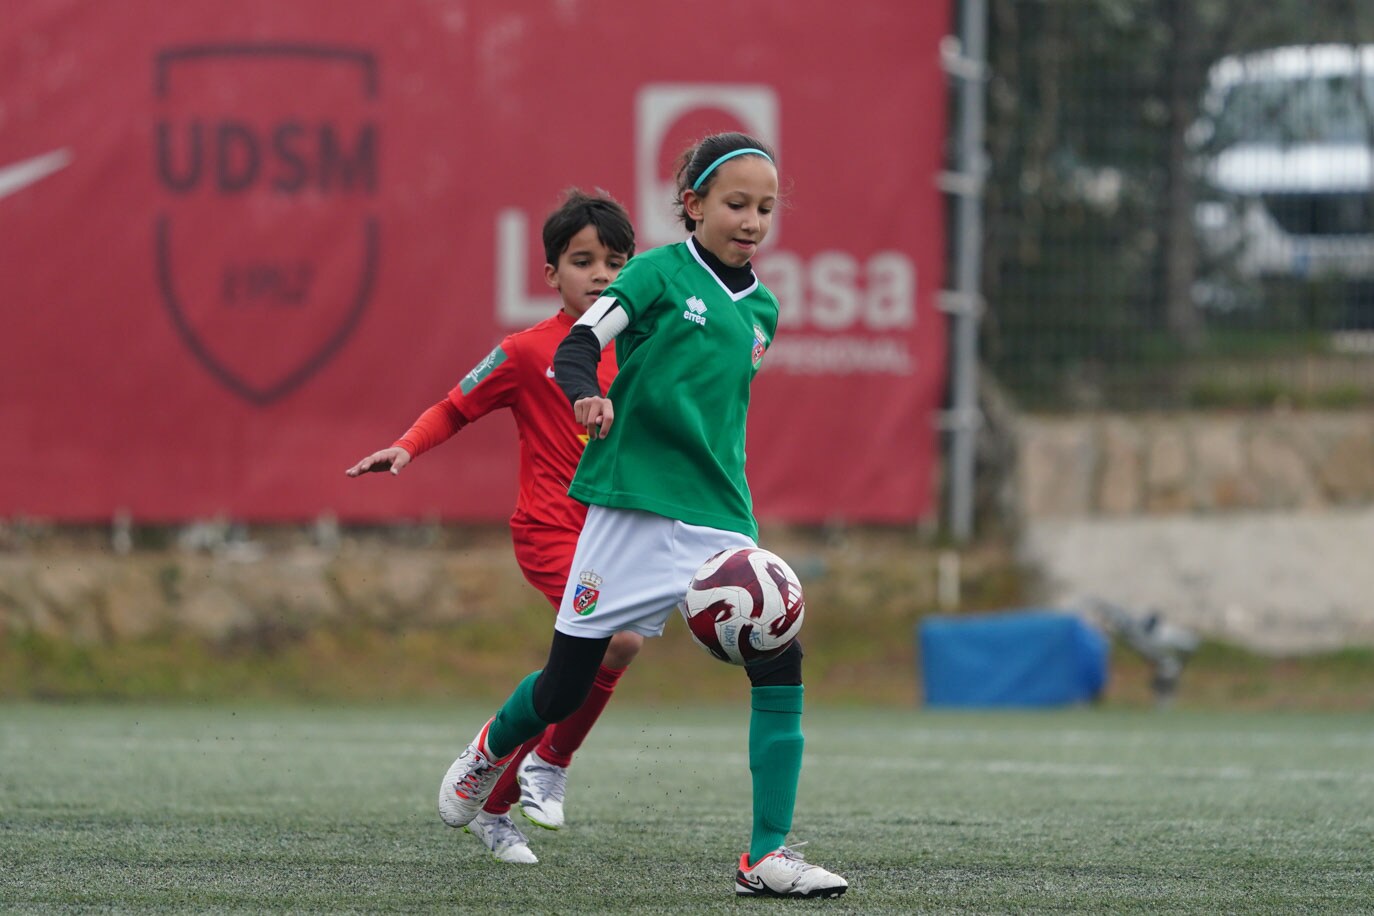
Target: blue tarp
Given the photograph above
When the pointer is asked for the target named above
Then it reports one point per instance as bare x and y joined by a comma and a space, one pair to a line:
1016, 658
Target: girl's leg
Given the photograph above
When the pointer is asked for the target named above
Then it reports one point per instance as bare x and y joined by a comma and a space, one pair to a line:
571, 655
775, 747
563, 740
541, 698
547, 696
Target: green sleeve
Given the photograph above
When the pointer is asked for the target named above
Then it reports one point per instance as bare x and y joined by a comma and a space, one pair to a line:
639, 288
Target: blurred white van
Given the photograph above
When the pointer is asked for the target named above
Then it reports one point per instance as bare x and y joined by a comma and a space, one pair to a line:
1284, 147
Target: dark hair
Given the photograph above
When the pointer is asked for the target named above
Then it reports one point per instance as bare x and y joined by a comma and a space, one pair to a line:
580, 210
698, 159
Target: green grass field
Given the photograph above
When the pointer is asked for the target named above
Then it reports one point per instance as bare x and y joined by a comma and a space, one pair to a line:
289, 808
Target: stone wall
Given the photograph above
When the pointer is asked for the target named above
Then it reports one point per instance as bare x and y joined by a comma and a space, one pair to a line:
230, 595
1258, 528
1253, 528
1117, 465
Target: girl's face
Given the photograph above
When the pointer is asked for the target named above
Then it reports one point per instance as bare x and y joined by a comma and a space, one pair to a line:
737, 211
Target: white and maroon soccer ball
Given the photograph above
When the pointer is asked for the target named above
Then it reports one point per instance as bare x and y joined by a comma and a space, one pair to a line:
744, 605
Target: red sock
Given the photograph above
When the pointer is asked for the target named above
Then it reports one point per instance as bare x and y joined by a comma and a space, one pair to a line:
507, 789
562, 740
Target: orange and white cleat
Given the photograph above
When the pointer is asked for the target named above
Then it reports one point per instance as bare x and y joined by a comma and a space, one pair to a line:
469, 781
784, 873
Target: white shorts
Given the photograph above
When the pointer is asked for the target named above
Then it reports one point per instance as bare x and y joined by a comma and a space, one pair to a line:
632, 568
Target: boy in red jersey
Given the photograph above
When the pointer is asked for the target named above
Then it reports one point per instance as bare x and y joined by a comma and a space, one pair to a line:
587, 240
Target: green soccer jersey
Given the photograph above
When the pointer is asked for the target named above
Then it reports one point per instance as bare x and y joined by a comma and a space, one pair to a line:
687, 358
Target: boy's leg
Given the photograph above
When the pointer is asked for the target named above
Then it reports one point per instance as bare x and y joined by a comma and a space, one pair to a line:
543, 774
493, 825
507, 791
541, 698
562, 741
550, 695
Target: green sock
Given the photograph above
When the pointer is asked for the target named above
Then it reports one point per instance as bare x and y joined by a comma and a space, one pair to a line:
516, 721
775, 759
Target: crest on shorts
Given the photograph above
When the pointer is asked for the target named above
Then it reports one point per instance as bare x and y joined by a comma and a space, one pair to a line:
587, 593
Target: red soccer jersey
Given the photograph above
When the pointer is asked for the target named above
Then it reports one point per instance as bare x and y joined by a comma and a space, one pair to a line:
518, 375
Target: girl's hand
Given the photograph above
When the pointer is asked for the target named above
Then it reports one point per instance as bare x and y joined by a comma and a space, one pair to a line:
596, 414
388, 459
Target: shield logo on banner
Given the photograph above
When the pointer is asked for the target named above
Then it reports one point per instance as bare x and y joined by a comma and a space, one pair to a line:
267, 243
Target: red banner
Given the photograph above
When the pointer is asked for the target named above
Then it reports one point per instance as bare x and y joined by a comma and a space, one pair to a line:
245, 243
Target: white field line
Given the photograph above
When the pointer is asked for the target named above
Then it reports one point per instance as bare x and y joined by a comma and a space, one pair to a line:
1051, 736
888, 733
666, 756
891, 734
1100, 770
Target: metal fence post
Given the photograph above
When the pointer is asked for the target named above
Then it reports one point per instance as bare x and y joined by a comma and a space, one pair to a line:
964, 59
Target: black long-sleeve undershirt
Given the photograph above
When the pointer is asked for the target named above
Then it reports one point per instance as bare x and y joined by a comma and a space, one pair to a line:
575, 362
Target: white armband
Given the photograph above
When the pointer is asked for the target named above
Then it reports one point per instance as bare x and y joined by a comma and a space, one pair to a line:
606, 318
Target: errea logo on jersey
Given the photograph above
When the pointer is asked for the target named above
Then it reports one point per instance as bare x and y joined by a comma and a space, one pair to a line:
696, 311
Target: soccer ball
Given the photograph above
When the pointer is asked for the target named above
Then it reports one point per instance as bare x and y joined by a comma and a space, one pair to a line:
744, 605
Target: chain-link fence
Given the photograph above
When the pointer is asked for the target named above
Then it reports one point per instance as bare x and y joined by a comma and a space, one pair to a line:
1180, 208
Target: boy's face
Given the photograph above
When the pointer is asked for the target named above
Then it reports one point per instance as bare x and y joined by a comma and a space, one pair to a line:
584, 270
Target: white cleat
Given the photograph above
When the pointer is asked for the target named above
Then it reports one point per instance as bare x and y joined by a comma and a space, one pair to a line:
542, 785
469, 781
784, 873
499, 834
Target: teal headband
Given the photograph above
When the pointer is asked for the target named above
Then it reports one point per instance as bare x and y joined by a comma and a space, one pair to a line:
712, 167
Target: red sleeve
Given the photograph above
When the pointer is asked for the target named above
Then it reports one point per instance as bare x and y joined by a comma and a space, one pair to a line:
492, 384
432, 427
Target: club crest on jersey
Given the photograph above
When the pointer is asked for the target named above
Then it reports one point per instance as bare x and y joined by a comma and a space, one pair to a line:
760, 345
696, 311
587, 593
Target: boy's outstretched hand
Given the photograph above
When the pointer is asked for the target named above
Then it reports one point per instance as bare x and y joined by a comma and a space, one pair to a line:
388, 459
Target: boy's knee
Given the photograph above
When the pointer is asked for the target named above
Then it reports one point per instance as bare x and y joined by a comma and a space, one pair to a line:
623, 649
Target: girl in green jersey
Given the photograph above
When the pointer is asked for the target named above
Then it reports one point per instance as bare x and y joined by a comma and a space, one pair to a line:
663, 478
